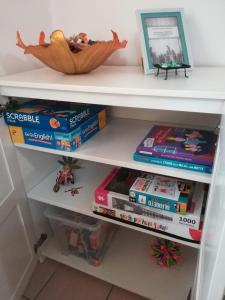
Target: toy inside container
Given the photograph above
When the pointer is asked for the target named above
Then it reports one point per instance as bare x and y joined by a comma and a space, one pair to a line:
80, 235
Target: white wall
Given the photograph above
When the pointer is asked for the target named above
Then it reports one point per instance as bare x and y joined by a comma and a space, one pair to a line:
205, 21
29, 17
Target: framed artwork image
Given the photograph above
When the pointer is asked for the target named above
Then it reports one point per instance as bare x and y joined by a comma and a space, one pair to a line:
163, 38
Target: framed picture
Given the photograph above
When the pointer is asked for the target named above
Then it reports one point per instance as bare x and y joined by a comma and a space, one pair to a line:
163, 38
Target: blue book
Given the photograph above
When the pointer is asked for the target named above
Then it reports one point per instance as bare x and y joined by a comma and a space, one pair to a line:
180, 144
172, 163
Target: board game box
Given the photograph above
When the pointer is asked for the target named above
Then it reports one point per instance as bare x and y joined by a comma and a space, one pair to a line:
181, 144
162, 192
50, 115
113, 194
59, 140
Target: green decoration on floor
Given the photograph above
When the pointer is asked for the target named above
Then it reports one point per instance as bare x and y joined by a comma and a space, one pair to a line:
167, 253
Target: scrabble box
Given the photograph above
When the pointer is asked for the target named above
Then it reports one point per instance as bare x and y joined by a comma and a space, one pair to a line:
55, 116
67, 141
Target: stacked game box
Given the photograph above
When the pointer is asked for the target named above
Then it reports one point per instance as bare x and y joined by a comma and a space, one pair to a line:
178, 147
54, 124
162, 192
112, 200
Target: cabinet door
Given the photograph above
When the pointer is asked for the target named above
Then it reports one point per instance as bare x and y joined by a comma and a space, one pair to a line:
211, 273
17, 258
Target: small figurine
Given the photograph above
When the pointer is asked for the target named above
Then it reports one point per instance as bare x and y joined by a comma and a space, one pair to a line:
66, 175
79, 42
167, 253
74, 191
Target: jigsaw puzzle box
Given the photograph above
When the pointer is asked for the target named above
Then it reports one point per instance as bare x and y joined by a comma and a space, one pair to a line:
111, 199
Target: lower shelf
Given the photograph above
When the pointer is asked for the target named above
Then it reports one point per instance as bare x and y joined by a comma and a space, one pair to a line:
129, 265
89, 178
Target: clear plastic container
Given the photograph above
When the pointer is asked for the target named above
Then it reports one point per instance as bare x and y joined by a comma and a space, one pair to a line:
80, 235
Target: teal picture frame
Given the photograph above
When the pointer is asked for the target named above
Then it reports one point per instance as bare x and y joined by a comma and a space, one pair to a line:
150, 55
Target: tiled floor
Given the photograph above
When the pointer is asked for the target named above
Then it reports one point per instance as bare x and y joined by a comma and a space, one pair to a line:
54, 281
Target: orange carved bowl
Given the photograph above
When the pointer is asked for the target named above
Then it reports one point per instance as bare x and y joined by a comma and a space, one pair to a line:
58, 55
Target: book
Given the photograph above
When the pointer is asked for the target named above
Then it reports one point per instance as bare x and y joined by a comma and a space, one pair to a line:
113, 196
162, 192
180, 144
172, 163
50, 116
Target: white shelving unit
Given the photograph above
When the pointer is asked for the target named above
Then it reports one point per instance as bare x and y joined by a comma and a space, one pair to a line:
127, 263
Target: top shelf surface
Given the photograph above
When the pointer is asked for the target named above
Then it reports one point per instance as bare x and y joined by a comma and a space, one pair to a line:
124, 86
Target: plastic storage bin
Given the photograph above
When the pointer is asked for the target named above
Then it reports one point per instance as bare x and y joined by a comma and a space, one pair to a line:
80, 235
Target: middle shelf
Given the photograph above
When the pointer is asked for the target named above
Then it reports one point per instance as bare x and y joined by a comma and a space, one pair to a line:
116, 144
90, 176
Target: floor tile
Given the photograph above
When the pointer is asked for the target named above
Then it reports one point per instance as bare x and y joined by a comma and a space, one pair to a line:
40, 277
120, 294
70, 284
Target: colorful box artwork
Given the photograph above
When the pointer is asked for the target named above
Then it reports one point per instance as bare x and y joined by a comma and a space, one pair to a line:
112, 200
50, 115
67, 141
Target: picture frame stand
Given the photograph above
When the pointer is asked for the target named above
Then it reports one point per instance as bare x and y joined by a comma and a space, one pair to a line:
176, 68
164, 40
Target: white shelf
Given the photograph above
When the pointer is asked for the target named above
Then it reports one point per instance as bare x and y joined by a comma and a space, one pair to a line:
89, 177
129, 265
115, 145
126, 86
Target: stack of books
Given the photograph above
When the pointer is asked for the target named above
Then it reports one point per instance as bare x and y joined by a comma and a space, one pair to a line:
176, 147
54, 124
160, 203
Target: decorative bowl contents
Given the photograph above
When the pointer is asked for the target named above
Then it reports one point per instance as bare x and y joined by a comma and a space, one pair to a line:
75, 55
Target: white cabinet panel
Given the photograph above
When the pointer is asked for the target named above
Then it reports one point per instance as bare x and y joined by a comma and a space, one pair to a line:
17, 258
6, 180
211, 279
15, 253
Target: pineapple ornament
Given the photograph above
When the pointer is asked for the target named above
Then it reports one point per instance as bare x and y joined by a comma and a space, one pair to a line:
66, 175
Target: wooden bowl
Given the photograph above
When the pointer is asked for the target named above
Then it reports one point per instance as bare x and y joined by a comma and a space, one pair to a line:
58, 55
